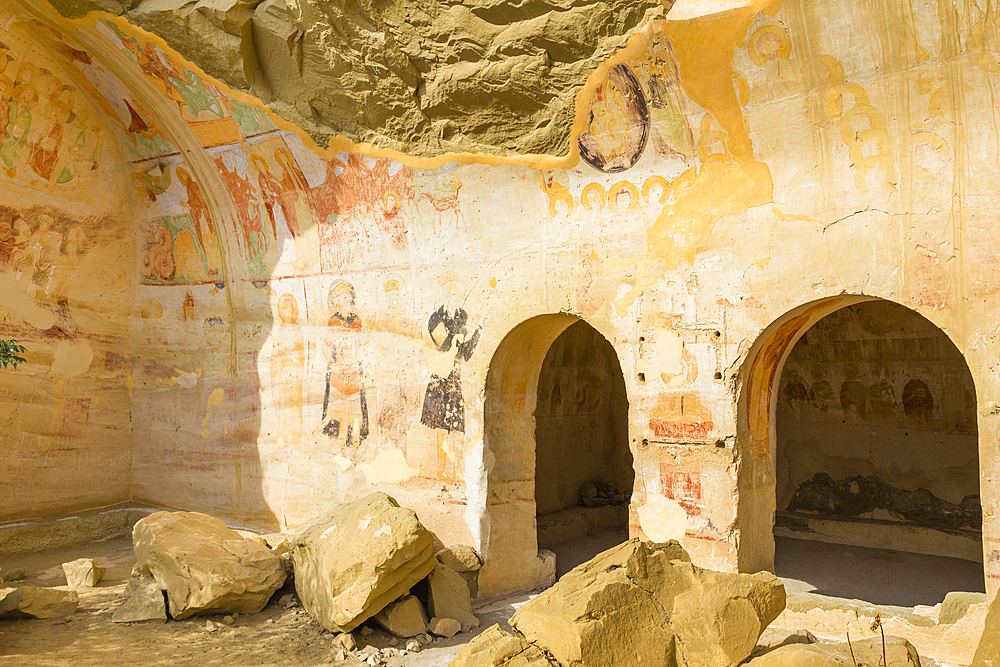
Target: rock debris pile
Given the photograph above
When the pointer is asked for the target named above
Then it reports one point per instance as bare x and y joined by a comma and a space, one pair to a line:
372, 561
357, 562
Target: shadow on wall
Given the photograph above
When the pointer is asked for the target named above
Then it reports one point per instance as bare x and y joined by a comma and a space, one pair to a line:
272, 331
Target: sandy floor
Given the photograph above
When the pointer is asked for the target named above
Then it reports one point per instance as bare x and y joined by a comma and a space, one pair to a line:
879, 576
287, 637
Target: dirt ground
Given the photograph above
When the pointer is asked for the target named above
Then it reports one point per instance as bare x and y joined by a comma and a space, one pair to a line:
281, 636
275, 636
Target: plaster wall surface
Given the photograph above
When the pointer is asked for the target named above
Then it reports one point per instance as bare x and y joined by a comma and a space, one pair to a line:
306, 324
67, 258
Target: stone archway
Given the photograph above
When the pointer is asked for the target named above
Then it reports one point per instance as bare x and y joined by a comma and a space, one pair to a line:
584, 471
513, 560
797, 473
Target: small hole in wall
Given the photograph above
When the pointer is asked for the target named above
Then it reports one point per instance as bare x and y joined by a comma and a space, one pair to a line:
642, 339
718, 334
718, 376
642, 377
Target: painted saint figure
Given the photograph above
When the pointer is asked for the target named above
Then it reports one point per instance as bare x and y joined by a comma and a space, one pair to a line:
18, 128
345, 420
286, 373
444, 407
45, 148
196, 206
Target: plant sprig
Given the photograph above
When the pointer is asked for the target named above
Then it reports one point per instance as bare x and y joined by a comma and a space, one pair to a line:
10, 353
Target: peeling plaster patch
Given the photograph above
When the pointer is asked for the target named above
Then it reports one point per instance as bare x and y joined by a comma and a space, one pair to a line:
477, 466
344, 462
389, 467
662, 519
72, 359
689, 9
186, 380
668, 361
14, 300
214, 399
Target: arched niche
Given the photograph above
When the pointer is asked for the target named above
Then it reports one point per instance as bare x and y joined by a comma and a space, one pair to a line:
870, 393
513, 560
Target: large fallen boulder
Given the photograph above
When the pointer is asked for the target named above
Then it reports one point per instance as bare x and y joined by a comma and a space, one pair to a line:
898, 653
352, 561
642, 603
37, 602
204, 566
495, 647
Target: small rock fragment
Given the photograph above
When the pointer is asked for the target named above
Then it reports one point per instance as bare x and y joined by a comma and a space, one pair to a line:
445, 627
404, 617
424, 639
366, 631
228, 620
413, 646
346, 641
466, 561
143, 601
83, 572
448, 597
13, 575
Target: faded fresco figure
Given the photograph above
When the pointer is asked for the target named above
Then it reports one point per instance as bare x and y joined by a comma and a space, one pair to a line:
46, 146
444, 406
345, 407
286, 363
200, 216
18, 128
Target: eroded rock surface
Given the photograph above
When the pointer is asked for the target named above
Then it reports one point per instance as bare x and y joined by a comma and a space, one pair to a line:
645, 603
205, 566
988, 652
354, 560
898, 653
425, 77
37, 602
496, 647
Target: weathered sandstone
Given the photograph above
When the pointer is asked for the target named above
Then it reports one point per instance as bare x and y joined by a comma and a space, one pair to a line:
645, 603
352, 561
205, 566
